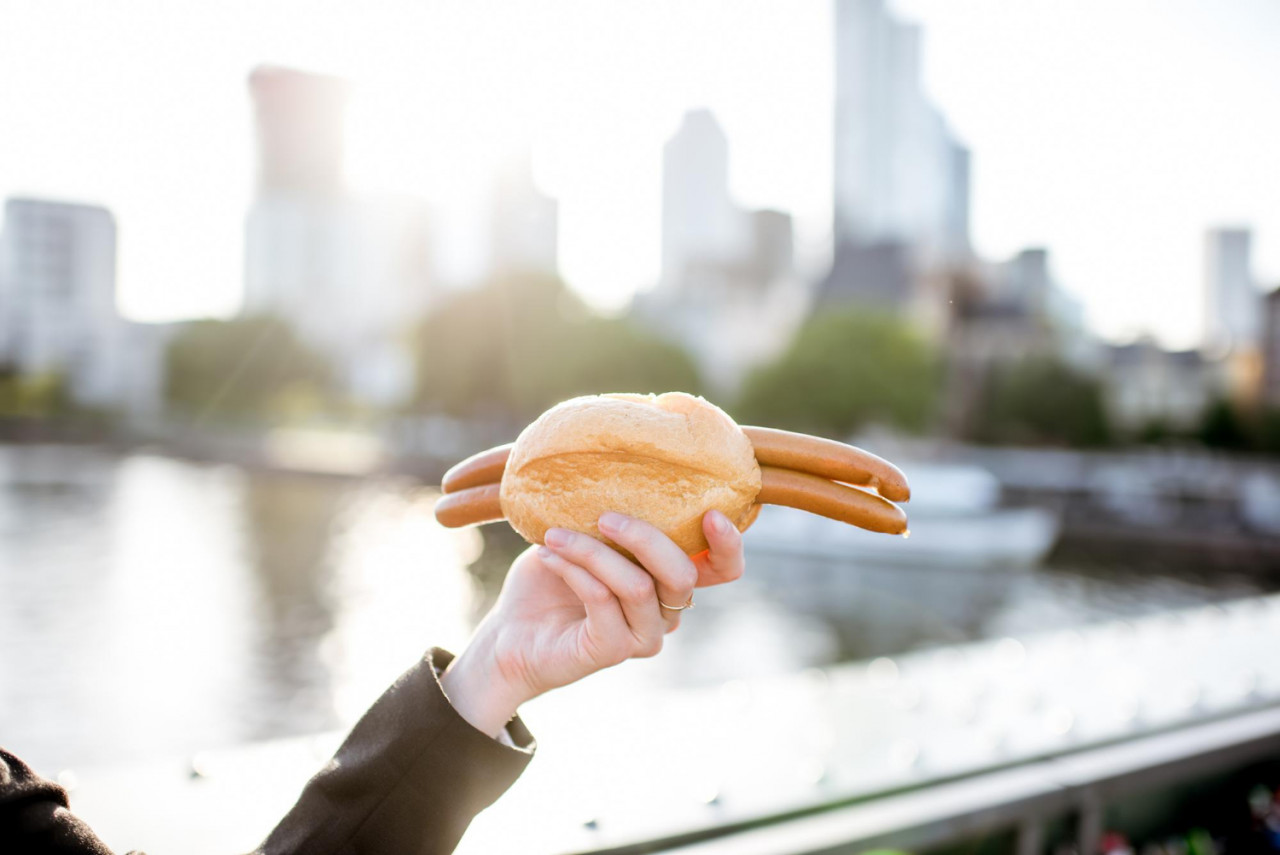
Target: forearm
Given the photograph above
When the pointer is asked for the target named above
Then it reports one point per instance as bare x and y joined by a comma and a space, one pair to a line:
410, 777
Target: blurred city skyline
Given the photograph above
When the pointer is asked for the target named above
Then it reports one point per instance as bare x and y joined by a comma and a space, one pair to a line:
1112, 137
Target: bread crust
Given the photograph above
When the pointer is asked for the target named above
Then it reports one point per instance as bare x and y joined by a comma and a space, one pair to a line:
666, 459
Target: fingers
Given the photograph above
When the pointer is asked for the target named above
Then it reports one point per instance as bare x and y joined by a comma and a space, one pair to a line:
673, 573
723, 562
610, 637
630, 584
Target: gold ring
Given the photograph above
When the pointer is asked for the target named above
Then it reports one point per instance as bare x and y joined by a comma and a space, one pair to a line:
687, 605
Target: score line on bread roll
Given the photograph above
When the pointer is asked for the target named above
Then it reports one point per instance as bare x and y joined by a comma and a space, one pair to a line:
667, 459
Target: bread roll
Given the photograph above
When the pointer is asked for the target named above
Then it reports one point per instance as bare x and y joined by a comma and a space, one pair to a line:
666, 459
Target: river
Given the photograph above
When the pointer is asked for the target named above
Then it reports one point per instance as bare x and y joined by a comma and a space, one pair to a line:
152, 606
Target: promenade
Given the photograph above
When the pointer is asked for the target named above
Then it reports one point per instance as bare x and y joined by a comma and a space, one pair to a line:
1008, 736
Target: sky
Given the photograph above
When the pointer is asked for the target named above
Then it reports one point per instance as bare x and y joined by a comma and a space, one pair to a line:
1114, 132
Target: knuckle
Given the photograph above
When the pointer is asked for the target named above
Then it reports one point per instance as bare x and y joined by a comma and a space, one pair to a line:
597, 595
637, 590
685, 577
734, 571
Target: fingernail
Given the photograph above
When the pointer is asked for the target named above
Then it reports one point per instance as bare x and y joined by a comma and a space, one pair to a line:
545, 554
612, 523
556, 537
720, 522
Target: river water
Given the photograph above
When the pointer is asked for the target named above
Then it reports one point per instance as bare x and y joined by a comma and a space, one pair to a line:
151, 606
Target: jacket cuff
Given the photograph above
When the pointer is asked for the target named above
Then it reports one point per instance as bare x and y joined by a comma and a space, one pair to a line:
518, 735
409, 777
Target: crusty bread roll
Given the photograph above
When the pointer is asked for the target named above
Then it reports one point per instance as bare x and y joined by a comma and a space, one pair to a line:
666, 459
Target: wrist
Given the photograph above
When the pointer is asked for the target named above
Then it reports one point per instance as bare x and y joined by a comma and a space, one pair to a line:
477, 688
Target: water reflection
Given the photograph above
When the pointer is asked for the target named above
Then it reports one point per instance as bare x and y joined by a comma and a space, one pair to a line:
289, 525
154, 606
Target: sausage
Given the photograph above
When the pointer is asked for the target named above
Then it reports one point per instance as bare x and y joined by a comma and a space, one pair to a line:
817, 495
830, 459
472, 506
478, 469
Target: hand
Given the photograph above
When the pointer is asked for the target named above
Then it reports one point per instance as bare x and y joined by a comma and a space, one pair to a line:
575, 606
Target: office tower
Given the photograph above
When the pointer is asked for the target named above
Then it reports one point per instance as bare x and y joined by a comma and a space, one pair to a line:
57, 296
772, 246
299, 119
1026, 281
1233, 305
524, 223
1271, 350
900, 175
349, 273
728, 293
299, 235
700, 223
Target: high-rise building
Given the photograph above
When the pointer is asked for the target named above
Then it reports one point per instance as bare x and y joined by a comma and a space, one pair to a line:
57, 295
524, 223
349, 273
700, 222
772, 246
58, 308
728, 293
1233, 304
1271, 349
900, 175
299, 122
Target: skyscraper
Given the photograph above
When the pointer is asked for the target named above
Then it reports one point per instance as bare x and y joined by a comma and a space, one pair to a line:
57, 296
700, 222
299, 120
1271, 350
900, 175
1233, 305
349, 273
728, 294
524, 223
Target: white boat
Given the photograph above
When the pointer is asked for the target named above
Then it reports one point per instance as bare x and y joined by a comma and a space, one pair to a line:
1260, 501
954, 520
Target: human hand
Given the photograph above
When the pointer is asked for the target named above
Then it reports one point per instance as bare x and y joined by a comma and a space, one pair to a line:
575, 606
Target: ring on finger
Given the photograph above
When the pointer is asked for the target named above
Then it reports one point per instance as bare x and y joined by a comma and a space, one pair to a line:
687, 605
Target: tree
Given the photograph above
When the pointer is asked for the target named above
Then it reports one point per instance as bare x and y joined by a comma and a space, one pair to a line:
844, 370
1224, 427
1269, 431
32, 395
1043, 401
247, 367
522, 343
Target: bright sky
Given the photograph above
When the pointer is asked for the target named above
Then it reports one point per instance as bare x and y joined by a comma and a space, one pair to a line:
1113, 132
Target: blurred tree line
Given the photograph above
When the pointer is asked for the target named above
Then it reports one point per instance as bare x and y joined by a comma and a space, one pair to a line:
245, 369
520, 344
843, 371
517, 345
32, 396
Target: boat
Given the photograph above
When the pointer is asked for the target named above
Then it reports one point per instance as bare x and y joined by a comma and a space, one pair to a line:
955, 519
